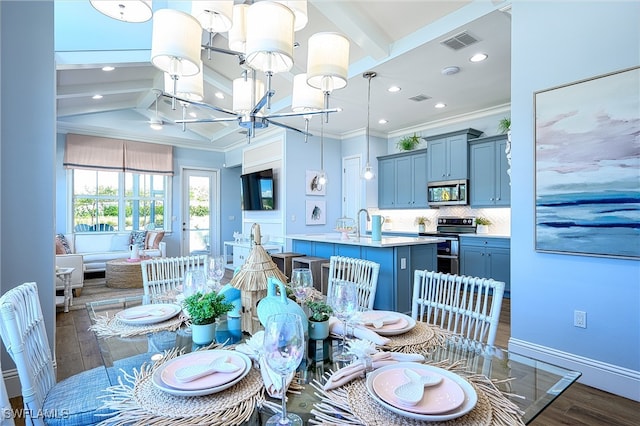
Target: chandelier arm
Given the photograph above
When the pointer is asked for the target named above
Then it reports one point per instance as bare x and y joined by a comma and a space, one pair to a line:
285, 126
225, 51
261, 103
200, 104
298, 114
205, 120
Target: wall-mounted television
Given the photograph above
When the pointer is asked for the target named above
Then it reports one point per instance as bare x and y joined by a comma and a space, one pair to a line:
258, 190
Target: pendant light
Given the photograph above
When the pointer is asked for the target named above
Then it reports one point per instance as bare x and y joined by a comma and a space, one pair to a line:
367, 172
125, 10
322, 176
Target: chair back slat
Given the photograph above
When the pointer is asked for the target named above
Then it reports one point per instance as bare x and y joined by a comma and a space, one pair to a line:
464, 305
25, 338
163, 274
362, 272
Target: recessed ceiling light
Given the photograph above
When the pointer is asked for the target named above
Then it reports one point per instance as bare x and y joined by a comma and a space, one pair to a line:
450, 70
383, 121
479, 57
155, 124
440, 105
108, 68
219, 95
96, 97
394, 89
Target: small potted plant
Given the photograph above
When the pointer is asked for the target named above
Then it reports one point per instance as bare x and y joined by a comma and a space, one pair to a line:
204, 310
421, 221
482, 225
319, 313
408, 143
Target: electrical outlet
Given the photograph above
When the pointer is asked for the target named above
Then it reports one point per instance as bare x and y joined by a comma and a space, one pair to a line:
403, 263
580, 319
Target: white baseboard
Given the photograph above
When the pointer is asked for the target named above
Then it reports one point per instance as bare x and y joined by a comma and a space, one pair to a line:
12, 380
600, 375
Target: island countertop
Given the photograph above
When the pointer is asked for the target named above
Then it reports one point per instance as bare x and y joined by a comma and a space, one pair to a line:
365, 240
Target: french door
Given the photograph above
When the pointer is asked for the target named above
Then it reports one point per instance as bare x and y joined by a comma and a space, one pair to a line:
200, 212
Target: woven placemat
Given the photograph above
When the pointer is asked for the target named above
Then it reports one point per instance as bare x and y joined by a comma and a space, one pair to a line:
420, 339
107, 326
137, 401
352, 405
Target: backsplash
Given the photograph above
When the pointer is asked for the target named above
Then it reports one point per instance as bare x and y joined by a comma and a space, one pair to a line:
404, 220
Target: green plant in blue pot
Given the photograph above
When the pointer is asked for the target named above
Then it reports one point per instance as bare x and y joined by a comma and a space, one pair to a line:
319, 314
204, 310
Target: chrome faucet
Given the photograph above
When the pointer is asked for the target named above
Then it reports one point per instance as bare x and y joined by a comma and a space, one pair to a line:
358, 216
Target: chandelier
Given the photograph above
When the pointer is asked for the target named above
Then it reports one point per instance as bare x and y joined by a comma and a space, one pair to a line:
261, 35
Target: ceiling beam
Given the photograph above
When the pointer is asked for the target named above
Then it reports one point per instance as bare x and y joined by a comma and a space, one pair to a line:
88, 90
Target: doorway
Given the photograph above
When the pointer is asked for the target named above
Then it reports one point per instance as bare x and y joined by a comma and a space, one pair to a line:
200, 212
351, 187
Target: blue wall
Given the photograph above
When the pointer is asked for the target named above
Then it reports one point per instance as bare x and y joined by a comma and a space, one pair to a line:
555, 44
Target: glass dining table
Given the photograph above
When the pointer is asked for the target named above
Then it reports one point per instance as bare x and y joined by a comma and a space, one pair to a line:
530, 384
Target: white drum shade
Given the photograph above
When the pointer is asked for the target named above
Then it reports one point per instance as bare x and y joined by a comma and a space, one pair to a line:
191, 88
299, 8
175, 42
305, 97
125, 10
238, 31
214, 16
328, 61
270, 37
243, 100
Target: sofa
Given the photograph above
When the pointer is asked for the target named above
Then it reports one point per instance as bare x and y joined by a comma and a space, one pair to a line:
90, 252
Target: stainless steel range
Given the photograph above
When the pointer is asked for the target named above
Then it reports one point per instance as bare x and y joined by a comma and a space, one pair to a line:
449, 228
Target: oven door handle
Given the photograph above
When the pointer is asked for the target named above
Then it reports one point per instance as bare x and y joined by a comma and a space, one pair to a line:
444, 256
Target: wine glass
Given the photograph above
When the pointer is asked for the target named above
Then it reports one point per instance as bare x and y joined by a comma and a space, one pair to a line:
344, 301
283, 350
301, 282
216, 270
194, 282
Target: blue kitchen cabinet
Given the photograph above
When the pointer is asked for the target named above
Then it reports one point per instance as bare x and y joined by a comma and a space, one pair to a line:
386, 183
402, 180
447, 155
488, 178
488, 257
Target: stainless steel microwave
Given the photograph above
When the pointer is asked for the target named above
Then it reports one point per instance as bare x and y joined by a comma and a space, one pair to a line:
447, 193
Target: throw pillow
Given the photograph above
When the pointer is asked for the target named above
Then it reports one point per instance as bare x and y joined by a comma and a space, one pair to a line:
138, 238
153, 239
120, 242
62, 245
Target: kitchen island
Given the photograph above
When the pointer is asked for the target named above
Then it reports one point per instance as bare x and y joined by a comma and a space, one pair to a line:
398, 257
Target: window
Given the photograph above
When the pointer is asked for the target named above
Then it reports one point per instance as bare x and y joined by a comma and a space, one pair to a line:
118, 201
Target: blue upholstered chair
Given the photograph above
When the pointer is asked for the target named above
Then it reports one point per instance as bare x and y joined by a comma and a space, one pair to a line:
73, 401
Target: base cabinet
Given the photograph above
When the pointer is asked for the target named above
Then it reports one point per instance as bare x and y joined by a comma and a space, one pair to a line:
486, 258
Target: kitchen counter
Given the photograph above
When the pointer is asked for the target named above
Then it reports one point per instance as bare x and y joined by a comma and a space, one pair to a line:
486, 235
365, 240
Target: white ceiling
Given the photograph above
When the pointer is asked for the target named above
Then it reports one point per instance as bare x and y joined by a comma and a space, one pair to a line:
400, 40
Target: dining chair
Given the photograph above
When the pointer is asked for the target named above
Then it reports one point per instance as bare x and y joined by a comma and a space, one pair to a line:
362, 272
163, 274
5, 405
467, 306
73, 401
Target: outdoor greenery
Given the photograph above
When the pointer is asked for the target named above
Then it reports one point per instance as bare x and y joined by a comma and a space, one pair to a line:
320, 311
206, 308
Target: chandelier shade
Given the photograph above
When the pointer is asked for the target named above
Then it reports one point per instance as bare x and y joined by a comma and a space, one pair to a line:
299, 8
125, 10
214, 16
327, 61
176, 43
269, 37
246, 94
191, 88
305, 97
238, 31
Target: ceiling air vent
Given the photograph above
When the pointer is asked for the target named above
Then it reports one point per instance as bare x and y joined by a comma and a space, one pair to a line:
419, 98
459, 41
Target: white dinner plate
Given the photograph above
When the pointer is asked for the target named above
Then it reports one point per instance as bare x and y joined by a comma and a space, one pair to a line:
470, 400
156, 379
148, 314
210, 381
405, 323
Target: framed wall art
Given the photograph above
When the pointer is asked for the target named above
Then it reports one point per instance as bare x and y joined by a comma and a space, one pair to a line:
316, 212
587, 165
312, 183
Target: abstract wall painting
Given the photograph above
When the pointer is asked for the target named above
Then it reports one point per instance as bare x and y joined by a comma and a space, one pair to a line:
316, 212
587, 158
312, 183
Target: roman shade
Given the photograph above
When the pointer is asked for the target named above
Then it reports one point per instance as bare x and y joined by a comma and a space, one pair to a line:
97, 153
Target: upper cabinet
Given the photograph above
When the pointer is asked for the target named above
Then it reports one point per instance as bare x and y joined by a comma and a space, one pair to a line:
489, 181
402, 180
447, 155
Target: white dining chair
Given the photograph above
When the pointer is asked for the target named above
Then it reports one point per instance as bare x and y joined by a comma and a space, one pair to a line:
362, 272
467, 306
163, 274
73, 401
5, 405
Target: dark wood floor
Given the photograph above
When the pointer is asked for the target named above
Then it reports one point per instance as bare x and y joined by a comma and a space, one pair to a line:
77, 350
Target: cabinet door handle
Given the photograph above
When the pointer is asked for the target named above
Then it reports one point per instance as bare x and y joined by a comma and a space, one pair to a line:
498, 199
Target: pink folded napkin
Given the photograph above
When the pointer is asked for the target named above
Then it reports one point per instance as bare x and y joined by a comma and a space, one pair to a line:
359, 331
358, 368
